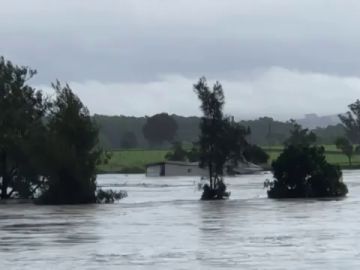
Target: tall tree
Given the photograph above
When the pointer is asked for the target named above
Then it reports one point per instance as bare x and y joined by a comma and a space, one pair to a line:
351, 122
299, 136
21, 111
221, 140
301, 170
159, 129
347, 148
73, 151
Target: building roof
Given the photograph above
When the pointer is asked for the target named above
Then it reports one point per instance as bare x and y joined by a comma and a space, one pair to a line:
179, 163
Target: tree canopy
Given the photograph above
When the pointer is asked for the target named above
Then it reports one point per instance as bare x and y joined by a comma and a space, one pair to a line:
73, 151
351, 122
301, 170
160, 128
21, 111
221, 140
48, 148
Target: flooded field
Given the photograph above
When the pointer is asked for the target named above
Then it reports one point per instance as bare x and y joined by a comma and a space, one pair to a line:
162, 224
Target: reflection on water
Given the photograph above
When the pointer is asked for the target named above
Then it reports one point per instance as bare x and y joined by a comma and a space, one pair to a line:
164, 225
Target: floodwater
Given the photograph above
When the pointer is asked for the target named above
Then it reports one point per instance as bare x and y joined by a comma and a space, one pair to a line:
162, 224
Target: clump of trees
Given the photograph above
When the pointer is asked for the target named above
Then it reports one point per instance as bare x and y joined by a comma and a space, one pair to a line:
349, 144
48, 148
348, 149
301, 170
221, 140
160, 128
254, 153
178, 153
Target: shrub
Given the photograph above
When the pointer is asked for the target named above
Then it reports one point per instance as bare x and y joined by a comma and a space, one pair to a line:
302, 171
109, 196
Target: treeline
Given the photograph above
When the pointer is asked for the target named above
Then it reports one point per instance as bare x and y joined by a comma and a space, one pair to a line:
49, 147
122, 132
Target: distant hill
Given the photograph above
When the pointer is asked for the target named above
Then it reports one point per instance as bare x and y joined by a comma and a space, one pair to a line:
264, 131
313, 121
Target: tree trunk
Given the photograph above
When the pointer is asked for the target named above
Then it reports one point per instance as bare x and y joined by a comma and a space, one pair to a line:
5, 177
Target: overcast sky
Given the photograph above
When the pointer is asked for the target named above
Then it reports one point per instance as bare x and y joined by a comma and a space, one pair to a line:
140, 57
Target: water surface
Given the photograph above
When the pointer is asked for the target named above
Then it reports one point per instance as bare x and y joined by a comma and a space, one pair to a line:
162, 224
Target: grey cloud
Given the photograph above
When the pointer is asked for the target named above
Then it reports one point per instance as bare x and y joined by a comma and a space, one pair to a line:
139, 40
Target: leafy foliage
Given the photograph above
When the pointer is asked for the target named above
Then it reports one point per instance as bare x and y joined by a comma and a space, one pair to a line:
255, 154
221, 140
299, 136
159, 129
72, 153
177, 153
21, 112
109, 196
347, 148
301, 170
351, 122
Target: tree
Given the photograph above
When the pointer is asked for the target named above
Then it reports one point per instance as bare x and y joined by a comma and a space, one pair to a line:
72, 153
255, 154
194, 155
160, 128
21, 111
300, 136
177, 153
221, 140
346, 147
351, 122
129, 140
301, 170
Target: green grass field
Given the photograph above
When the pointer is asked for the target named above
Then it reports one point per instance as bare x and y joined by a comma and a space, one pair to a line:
132, 161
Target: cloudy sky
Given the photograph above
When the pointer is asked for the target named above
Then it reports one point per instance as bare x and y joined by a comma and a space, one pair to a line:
140, 57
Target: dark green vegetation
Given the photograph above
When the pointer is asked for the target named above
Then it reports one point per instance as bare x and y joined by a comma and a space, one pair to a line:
301, 170
265, 131
221, 140
134, 160
159, 128
49, 148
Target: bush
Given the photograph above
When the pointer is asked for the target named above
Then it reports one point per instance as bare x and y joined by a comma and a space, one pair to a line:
109, 196
255, 154
303, 172
217, 193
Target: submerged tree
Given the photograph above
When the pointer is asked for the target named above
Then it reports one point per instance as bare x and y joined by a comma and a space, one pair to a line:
221, 140
21, 111
301, 170
72, 153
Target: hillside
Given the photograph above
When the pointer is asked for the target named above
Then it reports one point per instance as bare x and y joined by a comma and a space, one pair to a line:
264, 131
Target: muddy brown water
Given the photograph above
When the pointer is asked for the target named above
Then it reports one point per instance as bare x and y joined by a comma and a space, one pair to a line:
162, 224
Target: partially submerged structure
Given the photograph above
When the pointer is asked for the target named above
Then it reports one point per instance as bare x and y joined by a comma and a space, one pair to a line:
180, 168
175, 168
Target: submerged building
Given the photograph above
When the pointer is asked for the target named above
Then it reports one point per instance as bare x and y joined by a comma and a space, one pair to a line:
175, 168
180, 168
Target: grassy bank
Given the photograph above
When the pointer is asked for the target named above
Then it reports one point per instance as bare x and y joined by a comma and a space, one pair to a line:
134, 160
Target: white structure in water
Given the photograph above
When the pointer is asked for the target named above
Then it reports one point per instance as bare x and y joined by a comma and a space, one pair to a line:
180, 168
175, 168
